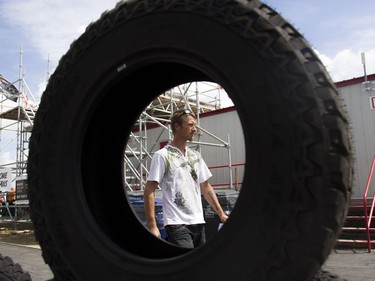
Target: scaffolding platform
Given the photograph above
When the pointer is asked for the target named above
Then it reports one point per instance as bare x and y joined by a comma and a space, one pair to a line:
18, 113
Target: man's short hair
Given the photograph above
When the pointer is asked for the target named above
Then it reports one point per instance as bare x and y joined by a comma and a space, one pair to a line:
178, 115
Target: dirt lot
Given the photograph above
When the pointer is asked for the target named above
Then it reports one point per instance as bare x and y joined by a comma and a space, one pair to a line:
21, 233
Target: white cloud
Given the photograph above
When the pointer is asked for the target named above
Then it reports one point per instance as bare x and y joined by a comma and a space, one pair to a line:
52, 26
347, 64
6, 157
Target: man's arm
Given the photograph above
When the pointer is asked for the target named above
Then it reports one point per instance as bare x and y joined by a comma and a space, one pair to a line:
210, 196
149, 203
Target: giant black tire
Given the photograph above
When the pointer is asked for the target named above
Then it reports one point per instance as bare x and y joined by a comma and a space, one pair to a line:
10, 271
298, 154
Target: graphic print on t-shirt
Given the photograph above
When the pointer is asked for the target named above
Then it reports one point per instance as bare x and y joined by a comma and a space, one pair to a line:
179, 200
177, 161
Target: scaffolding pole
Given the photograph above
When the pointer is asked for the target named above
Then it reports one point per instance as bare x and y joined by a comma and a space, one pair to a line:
158, 113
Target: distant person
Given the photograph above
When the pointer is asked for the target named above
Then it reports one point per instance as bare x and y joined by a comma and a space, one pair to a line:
182, 175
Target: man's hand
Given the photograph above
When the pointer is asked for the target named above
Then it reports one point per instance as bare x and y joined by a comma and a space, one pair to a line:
224, 218
154, 230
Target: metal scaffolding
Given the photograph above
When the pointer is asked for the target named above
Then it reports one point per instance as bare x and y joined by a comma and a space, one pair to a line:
199, 97
17, 111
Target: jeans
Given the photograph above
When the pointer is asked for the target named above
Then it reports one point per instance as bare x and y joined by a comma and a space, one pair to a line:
187, 236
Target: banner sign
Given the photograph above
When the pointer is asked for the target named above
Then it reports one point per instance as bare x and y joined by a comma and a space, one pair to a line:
5, 179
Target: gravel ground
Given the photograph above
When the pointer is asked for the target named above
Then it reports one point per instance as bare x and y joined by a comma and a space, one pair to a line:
21, 233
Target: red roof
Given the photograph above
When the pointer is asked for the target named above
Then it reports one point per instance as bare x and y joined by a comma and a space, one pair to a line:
354, 81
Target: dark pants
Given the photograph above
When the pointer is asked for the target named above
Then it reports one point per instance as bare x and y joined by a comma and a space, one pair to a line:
187, 236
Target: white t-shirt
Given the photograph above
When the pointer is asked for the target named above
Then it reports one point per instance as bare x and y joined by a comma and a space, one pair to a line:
179, 177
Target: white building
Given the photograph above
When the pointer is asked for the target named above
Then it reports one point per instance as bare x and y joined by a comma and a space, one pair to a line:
359, 97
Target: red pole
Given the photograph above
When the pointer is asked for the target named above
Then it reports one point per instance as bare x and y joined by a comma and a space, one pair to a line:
367, 218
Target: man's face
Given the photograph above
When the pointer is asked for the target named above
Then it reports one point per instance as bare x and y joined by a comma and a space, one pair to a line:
188, 128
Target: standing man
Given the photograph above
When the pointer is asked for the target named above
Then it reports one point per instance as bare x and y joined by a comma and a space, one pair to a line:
183, 176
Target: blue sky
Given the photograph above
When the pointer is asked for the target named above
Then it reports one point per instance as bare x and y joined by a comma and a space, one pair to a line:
339, 31
44, 30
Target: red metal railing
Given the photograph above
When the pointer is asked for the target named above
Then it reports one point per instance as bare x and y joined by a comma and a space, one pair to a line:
368, 216
234, 181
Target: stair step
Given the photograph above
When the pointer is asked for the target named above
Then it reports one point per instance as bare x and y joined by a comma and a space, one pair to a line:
355, 229
355, 217
353, 241
358, 208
